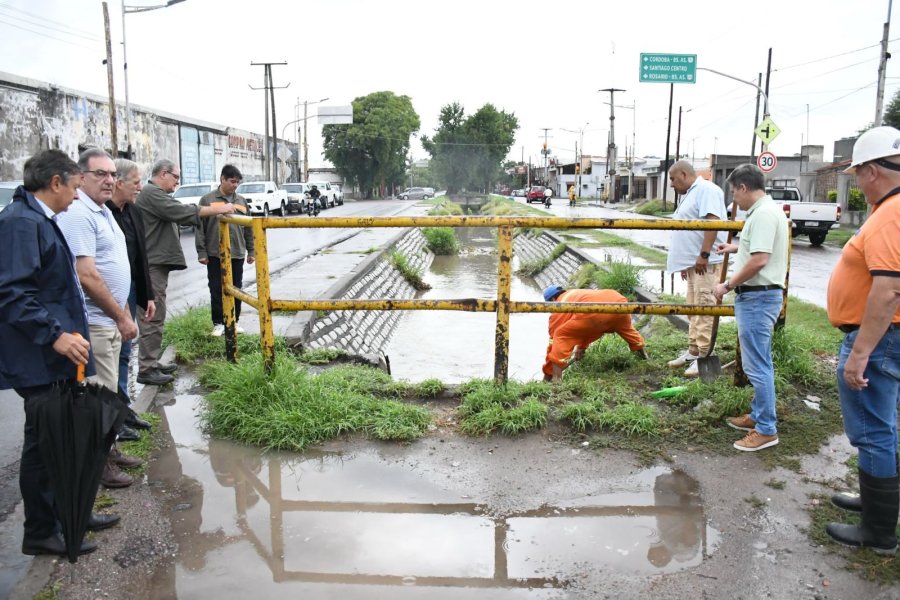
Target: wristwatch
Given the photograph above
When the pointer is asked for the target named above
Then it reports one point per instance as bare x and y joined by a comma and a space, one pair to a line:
704, 254
727, 285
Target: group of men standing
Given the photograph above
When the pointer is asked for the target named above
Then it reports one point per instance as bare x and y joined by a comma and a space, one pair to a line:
87, 253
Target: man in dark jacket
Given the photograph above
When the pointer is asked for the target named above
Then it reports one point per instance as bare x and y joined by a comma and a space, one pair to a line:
41, 310
162, 215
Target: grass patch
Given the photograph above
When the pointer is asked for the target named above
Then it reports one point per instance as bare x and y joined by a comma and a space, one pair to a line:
321, 356
620, 276
190, 331
650, 207
49, 592
603, 239
444, 206
841, 235
532, 267
291, 408
103, 501
410, 273
441, 240
143, 447
775, 484
863, 562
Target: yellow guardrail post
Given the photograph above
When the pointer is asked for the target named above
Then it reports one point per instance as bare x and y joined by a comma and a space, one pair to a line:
504, 287
227, 282
264, 293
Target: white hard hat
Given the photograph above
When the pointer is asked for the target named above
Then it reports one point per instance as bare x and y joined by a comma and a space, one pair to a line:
878, 142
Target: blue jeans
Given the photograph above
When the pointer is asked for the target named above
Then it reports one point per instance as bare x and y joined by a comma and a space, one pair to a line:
125, 353
870, 414
756, 313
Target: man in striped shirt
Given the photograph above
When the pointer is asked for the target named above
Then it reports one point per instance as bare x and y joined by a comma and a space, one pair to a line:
101, 261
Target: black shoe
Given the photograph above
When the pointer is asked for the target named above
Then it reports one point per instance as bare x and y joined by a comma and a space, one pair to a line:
127, 434
849, 502
98, 521
154, 377
168, 368
53, 545
133, 420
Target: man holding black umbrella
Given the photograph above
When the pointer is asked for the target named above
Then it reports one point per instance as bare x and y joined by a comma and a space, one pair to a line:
43, 325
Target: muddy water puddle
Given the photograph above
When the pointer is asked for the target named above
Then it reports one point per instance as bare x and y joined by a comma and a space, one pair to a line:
435, 519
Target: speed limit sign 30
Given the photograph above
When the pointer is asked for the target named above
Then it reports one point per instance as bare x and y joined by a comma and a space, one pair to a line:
766, 162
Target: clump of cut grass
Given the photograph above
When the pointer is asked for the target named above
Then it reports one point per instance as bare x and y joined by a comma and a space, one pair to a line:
190, 332
651, 207
441, 240
533, 267
446, 207
511, 409
143, 447
430, 388
290, 408
775, 484
410, 273
321, 356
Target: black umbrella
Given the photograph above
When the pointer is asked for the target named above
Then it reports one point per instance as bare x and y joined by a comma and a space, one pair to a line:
76, 425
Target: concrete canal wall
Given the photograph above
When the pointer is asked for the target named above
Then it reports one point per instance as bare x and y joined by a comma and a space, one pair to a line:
367, 332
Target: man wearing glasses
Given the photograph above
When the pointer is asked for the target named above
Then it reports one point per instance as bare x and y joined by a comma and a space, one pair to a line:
162, 217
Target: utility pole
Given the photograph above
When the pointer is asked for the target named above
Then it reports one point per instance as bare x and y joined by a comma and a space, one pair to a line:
113, 130
755, 118
882, 69
269, 87
665, 182
611, 145
765, 146
546, 176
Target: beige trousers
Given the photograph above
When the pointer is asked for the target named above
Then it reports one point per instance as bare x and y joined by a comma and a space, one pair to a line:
106, 342
700, 291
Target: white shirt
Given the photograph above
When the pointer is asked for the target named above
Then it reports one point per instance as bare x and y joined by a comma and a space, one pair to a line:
702, 198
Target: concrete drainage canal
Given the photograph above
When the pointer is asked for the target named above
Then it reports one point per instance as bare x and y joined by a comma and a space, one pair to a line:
445, 517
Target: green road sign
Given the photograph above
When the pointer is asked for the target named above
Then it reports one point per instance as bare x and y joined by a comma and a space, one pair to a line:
669, 68
767, 131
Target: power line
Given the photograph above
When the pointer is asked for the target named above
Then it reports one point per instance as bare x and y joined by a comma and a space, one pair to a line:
48, 36
44, 24
863, 62
44, 19
809, 62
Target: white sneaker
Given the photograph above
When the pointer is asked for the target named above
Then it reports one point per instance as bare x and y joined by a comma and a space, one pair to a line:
239, 329
692, 371
684, 359
218, 330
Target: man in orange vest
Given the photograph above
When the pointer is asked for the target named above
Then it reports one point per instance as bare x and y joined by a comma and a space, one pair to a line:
572, 333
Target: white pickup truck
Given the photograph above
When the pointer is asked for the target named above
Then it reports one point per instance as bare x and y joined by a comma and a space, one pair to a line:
810, 218
807, 218
264, 197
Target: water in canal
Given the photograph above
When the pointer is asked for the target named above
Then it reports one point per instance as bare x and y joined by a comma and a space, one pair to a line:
439, 519
457, 346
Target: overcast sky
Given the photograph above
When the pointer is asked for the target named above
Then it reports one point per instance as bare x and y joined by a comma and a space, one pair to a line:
542, 61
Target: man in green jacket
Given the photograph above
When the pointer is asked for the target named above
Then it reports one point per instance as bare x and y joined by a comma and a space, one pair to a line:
162, 216
207, 242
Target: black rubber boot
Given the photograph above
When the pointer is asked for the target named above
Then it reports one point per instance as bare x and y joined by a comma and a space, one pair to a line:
849, 502
877, 530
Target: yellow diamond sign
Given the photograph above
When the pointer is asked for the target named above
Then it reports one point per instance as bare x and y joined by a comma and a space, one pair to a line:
767, 131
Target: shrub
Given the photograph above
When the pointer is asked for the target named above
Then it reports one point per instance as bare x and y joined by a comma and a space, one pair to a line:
857, 200
831, 196
651, 207
441, 240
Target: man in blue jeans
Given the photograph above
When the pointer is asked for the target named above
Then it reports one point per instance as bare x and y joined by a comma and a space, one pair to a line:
760, 268
864, 303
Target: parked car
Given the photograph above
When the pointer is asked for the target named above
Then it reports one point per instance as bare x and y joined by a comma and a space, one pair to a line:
338, 194
264, 197
297, 198
518, 193
7, 188
535, 194
190, 193
417, 193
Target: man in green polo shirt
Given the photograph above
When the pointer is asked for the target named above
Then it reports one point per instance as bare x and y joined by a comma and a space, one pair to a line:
758, 280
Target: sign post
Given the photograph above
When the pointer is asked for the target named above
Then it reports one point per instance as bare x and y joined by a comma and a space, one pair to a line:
668, 68
766, 162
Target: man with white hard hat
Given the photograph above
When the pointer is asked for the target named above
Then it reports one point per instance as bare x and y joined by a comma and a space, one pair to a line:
868, 371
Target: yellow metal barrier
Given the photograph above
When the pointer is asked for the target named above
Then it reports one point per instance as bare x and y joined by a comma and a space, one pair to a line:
503, 305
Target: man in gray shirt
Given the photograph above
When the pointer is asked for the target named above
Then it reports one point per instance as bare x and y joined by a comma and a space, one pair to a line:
162, 215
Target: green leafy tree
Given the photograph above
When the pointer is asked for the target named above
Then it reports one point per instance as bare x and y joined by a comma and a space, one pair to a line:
468, 152
371, 152
892, 112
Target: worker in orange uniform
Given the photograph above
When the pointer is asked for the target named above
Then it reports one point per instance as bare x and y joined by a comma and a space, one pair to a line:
572, 333
572, 196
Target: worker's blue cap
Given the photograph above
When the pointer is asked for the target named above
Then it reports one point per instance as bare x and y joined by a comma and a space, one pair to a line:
552, 292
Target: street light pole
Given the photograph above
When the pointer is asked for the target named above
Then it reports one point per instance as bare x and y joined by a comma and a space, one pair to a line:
306, 103
126, 10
